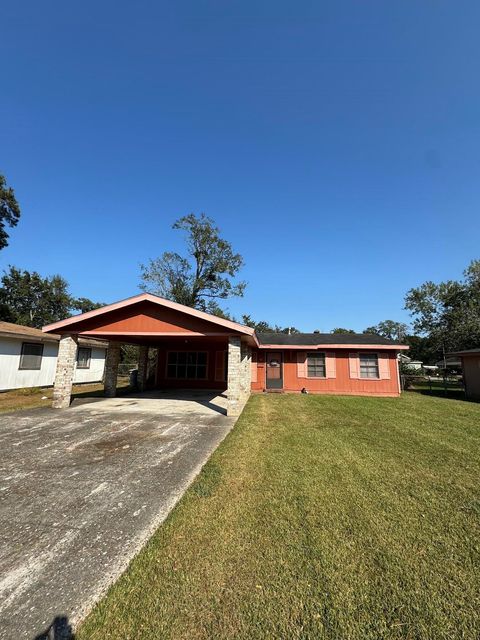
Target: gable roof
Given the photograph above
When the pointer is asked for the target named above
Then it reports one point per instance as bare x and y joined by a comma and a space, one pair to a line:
326, 339
149, 297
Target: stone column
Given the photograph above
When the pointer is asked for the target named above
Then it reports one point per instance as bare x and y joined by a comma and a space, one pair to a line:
111, 369
142, 367
239, 375
67, 355
246, 370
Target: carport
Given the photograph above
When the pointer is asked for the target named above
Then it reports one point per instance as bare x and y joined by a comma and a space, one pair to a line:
196, 350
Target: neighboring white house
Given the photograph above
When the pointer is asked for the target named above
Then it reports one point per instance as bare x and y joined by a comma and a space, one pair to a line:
409, 363
28, 358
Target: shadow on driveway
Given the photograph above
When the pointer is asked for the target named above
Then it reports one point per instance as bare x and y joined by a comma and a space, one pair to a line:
60, 629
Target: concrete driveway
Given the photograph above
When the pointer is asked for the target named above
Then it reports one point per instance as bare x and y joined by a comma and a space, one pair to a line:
82, 489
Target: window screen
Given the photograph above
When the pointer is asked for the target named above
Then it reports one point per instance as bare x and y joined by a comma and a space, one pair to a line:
369, 365
187, 365
83, 358
31, 356
316, 365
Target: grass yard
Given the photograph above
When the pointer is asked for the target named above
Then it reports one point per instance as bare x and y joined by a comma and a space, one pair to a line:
31, 398
318, 517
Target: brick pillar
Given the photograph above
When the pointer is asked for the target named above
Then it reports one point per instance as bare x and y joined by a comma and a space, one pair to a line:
142, 367
67, 355
246, 370
111, 369
239, 375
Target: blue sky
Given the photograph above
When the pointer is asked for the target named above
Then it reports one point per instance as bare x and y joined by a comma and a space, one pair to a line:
336, 144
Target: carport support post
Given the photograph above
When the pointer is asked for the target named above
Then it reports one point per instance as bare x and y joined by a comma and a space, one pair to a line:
67, 355
111, 369
239, 375
142, 367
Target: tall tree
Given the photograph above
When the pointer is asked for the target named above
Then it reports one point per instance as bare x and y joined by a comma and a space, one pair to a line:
204, 276
448, 313
389, 329
423, 348
9, 210
30, 299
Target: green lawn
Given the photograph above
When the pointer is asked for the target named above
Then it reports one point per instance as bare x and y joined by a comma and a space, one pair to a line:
318, 517
35, 397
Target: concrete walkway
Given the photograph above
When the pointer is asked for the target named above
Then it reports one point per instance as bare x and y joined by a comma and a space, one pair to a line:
82, 489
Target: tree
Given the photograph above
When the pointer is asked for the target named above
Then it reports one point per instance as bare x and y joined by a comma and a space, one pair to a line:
423, 348
6, 314
289, 330
202, 278
262, 326
85, 304
448, 313
29, 299
340, 330
389, 329
9, 210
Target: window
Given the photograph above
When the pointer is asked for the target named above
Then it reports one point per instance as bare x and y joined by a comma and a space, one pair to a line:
83, 358
31, 356
187, 365
316, 365
369, 365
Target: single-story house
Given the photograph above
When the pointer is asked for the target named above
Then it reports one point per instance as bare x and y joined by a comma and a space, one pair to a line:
197, 350
471, 371
28, 358
450, 362
408, 363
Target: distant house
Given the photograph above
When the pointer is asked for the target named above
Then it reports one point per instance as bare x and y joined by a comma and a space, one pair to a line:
197, 350
28, 358
471, 371
408, 363
449, 363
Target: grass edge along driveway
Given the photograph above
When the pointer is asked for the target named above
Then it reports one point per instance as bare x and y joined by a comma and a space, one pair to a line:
317, 517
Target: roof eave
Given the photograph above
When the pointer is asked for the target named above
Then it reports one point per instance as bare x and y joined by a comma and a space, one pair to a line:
389, 347
29, 336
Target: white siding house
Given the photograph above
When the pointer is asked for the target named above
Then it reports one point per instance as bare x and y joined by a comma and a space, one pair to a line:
28, 358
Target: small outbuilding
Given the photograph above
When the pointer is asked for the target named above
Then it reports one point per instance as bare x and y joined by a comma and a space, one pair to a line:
471, 372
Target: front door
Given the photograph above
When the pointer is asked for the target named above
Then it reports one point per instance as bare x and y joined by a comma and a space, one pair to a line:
274, 370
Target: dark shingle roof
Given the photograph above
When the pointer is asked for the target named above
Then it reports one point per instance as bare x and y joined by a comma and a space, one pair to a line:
314, 339
465, 351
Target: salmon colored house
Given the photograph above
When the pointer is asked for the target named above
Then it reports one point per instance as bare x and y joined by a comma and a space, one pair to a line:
197, 350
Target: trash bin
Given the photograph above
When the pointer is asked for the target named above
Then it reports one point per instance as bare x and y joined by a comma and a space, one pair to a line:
133, 381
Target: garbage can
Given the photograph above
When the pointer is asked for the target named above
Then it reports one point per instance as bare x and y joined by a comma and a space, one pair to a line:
133, 381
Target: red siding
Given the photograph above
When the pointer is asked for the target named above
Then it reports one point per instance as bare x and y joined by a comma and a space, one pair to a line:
341, 384
148, 317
